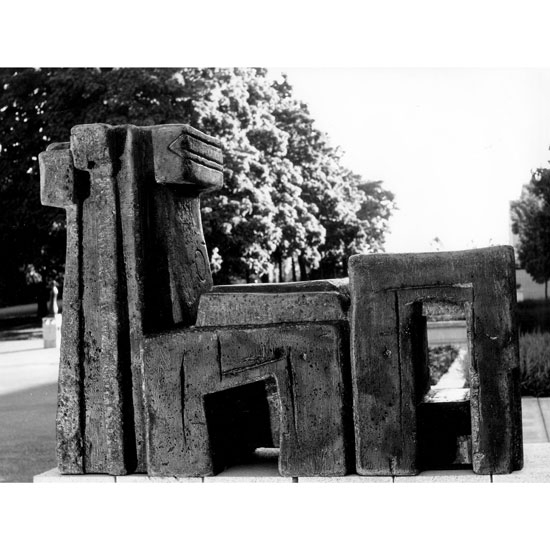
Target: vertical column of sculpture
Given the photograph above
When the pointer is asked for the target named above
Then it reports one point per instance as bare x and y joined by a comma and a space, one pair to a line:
109, 423
64, 187
135, 249
385, 290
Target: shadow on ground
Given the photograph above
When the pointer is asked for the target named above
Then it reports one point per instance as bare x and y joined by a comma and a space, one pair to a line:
27, 433
20, 329
26, 333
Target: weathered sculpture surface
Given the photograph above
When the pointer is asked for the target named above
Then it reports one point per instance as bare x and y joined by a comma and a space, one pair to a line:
390, 396
158, 367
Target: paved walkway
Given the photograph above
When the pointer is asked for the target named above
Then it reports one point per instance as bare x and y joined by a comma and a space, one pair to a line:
28, 386
24, 363
28, 393
536, 419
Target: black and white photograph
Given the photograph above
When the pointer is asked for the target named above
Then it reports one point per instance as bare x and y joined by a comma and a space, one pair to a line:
220, 279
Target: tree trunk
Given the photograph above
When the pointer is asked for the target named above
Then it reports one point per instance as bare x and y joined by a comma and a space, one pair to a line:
303, 269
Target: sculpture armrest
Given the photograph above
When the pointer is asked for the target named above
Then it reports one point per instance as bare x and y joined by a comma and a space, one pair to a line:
262, 304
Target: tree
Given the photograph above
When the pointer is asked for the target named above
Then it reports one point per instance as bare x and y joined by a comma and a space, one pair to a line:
38, 107
353, 212
531, 222
286, 194
259, 217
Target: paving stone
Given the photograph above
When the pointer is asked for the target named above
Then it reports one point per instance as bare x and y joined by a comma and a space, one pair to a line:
532, 421
536, 468
544, 404
25, 364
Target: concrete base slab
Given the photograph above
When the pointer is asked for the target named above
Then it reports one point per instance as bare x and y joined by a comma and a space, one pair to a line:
265, 471
536, 469
444, 476
53, 476
352, 478
144, 478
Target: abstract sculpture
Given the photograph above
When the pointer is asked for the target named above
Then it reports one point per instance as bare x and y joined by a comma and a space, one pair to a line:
158, 367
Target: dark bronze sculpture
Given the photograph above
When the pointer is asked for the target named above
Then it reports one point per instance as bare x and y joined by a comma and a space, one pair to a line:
153, 356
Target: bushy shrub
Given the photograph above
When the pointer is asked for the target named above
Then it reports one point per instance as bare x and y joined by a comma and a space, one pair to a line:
534, 357
443, 311
533, 315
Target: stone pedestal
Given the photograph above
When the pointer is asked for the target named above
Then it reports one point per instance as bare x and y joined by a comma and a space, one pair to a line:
51, 331
536, 470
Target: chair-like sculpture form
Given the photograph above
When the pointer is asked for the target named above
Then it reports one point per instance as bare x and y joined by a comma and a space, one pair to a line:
157, 365
137, 265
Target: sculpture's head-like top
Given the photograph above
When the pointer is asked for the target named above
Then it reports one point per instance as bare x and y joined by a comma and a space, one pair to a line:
178, 155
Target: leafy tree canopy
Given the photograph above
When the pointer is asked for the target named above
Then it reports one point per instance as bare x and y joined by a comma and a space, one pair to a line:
286, 193
531, 222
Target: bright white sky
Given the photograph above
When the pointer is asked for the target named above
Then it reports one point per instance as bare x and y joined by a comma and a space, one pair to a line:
454, 145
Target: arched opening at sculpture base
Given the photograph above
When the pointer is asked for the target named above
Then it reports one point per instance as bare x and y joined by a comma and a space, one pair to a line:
243, 425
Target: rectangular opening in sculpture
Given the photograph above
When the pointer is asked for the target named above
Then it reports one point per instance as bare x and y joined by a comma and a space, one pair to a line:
444, 415
243, 424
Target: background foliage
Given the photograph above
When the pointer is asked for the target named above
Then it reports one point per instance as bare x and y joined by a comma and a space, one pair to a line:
535, 364
531, 222
289, 209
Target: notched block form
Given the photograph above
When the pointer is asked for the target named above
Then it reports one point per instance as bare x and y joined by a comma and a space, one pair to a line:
188, 379
396, 426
